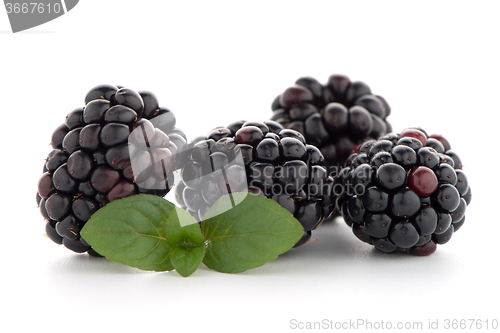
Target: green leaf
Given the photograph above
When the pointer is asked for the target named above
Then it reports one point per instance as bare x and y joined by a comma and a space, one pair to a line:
140, 230
187, 230
248, 234
186, 260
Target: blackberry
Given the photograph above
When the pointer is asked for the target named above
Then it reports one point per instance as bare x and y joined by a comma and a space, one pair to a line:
335, 116
411, 200
121, 143
263, 159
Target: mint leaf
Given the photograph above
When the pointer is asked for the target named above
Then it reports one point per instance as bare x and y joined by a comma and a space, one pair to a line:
186, 260
136, 231
249, 234
188, 244
185, 230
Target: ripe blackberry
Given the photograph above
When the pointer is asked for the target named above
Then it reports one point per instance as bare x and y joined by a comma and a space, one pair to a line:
119, 144
411, 199
335, 117
261, 158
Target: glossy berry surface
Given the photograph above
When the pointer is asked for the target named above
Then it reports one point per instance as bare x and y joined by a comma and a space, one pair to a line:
335, 117
423, 181
250, 135
117, 145
263, 159
403, 192
414, 133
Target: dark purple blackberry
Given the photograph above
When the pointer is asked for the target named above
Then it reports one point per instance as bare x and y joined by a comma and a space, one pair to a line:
121, 143
335, 117
260, 158
411, 200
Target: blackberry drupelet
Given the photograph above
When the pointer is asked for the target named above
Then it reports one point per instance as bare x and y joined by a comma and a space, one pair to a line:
334, 117
121, 143
261, 158
403, 192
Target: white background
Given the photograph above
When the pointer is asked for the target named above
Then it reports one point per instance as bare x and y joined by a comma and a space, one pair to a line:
214, 62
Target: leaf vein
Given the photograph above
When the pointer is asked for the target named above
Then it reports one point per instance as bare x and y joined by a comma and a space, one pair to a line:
147, 218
